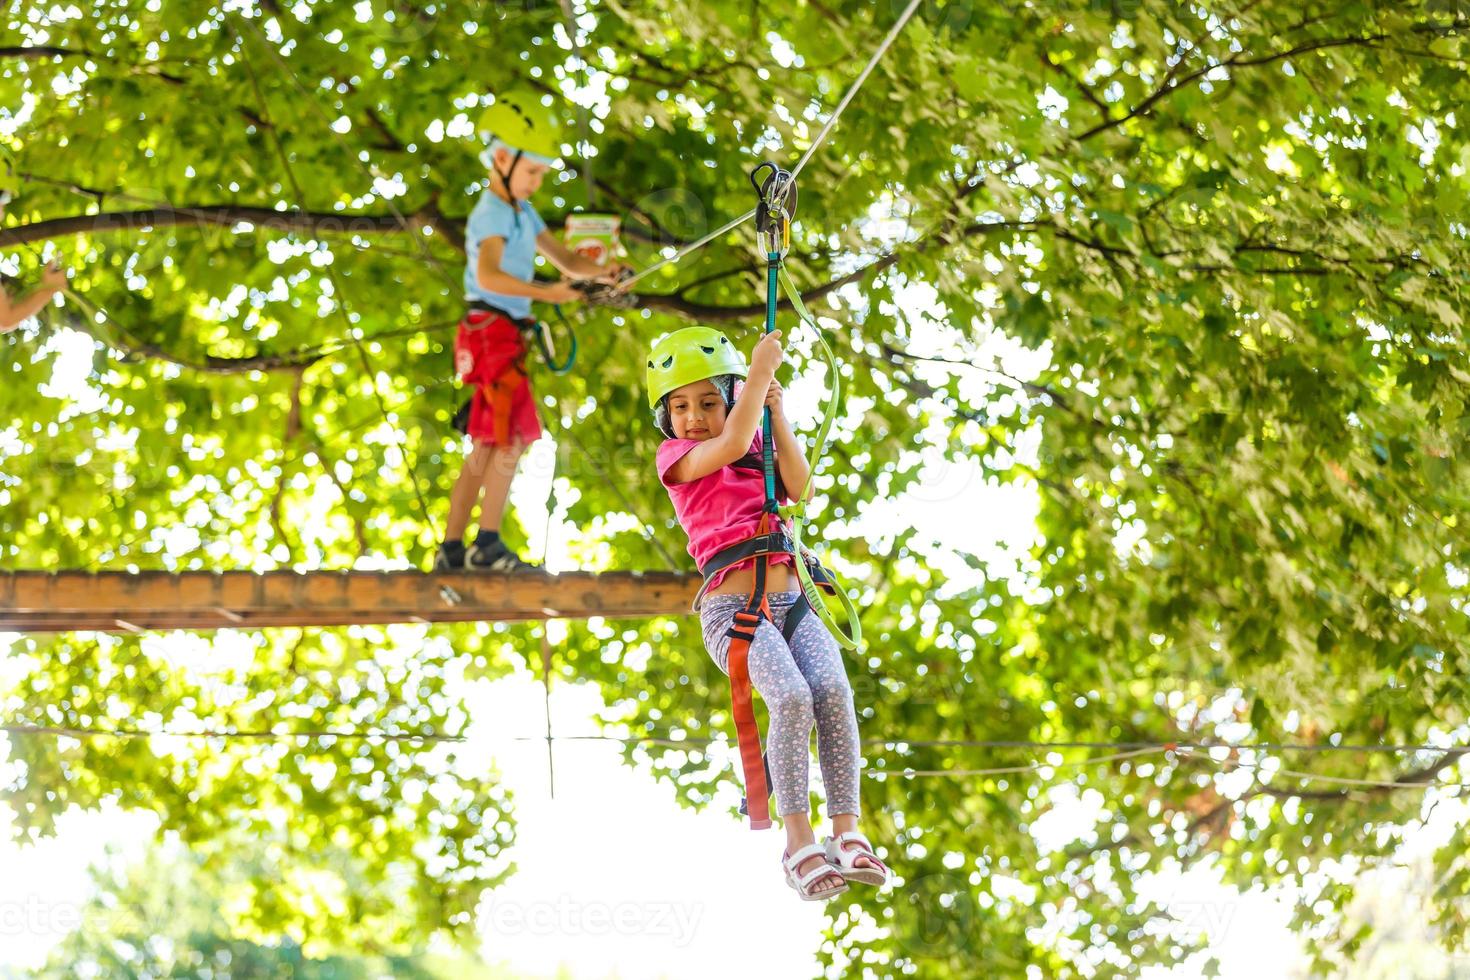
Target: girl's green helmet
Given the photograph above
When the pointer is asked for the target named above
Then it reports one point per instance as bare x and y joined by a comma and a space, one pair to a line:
519, 120
690, 355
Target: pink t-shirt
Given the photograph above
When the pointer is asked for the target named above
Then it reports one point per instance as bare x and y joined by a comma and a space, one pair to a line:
716, 510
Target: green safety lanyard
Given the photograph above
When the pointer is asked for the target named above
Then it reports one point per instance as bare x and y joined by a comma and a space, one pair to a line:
773, 223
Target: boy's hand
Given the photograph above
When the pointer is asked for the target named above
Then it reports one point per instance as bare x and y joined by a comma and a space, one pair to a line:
612, 272
773, 397
560, 291
767, 355
53, 277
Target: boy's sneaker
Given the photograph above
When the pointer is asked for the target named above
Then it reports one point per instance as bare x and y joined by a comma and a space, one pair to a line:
496, 558
450, 558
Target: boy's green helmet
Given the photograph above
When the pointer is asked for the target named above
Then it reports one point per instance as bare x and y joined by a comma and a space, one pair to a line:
519, 120
690, 355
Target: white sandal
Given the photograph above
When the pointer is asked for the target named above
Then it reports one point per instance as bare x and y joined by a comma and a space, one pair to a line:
803, 882
844, 859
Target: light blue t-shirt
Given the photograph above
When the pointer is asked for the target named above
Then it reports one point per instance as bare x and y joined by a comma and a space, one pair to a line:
493, 217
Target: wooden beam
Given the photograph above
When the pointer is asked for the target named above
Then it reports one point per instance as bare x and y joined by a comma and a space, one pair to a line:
48, 602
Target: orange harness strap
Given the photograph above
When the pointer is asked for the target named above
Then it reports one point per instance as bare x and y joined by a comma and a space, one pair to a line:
742, 704
500, 394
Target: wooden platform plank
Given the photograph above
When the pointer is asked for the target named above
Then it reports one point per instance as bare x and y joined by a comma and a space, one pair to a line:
36, 601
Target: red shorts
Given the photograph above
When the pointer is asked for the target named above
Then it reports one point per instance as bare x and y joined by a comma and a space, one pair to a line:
489, 354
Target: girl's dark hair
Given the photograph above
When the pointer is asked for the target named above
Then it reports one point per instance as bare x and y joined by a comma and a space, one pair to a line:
724, 384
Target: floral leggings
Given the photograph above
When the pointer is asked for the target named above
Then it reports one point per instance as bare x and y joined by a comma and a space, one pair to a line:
802, 684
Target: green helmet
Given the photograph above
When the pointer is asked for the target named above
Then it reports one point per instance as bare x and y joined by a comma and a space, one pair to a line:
690, 355
521, 122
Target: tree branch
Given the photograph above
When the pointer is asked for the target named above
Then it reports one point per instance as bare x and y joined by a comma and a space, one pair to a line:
1414, 779
1170, 85
1410, 780
1030, 387
713, 277
1087, 92
227, 216
293, 428
38, 52
211, 364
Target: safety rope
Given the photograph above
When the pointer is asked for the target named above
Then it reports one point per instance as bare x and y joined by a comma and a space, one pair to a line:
852, 90
1128, 751
664, 741
851, 637
340, 297
691, 247
831, 123
547, 346
777, 194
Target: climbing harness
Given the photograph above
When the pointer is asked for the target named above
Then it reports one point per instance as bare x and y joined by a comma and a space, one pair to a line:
539, 334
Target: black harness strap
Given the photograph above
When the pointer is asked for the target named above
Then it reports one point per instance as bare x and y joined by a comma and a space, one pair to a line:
752, 461
776, 542
522, 323
799, 610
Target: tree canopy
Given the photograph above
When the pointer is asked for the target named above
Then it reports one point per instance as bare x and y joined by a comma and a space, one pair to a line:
1234, 235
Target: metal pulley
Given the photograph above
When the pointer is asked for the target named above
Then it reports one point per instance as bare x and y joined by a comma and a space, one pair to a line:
777, 207
598, 293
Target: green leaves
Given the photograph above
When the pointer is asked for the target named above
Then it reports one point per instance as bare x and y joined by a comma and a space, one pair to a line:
1191, 249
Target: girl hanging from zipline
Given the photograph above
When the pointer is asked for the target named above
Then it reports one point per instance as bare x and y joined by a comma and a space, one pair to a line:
711, 464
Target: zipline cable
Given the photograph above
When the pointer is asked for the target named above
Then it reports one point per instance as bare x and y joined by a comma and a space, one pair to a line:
1009, 770
801, 163
1138, 750
1161, 746
852, 90
685, 743
352, 734
627, 284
